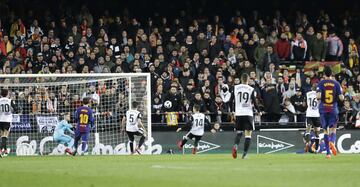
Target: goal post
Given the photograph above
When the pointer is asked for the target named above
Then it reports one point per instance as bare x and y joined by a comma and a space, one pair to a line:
43, 99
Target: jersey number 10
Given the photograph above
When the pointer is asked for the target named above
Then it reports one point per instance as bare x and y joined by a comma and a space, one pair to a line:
5, 108
84, 118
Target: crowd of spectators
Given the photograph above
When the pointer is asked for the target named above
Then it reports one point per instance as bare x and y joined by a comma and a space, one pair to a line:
192, 60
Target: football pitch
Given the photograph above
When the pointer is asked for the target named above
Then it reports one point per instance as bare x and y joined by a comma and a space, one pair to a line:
181, 170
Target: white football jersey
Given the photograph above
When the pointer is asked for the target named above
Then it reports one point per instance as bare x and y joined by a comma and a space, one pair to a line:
132, 117
312, 104
198, 124
5, 110
243, 100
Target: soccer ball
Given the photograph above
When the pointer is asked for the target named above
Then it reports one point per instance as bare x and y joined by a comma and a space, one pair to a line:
168, 104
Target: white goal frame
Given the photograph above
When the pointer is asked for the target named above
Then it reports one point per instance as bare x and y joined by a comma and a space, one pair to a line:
114, 75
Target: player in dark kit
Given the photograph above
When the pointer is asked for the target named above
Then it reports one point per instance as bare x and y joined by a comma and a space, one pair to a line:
85, 122
329, 91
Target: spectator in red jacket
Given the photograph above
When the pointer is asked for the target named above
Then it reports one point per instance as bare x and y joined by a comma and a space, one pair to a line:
282, 47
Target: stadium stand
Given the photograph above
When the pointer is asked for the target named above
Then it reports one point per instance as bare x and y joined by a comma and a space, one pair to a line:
192, 57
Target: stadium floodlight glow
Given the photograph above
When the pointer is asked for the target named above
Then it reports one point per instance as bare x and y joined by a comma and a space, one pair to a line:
44, 98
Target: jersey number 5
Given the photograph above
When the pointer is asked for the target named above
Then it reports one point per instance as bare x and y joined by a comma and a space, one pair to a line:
329, 98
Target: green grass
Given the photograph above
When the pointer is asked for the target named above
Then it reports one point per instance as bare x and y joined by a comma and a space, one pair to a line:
277, 170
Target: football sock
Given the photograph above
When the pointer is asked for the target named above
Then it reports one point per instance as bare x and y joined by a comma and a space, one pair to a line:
3, 143
237, 138
83, 146
196, 143
76, 143
333, 137
307, 137
142, 140
132, 147
317, 143
183, 142
326, 139
246, 145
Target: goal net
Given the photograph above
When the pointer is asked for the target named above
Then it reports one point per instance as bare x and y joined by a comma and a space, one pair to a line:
42, 100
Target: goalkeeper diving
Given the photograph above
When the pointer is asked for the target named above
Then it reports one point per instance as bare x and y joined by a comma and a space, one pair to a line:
59, 133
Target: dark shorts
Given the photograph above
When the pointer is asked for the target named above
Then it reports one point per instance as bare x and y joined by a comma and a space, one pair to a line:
83, 135
132, 135
4, 126
189, 135
328, 119
313, 121
244, 123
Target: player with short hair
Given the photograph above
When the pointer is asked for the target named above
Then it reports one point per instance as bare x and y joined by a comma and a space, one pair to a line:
85, 122
197, 123
132, 121
312, 119
244, 96
60, 136
328, 92
7, 107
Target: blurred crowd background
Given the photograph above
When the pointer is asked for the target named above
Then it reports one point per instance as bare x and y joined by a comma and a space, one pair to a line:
195, 52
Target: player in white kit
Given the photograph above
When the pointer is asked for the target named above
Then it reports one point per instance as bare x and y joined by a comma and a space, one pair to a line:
245, 97
7, 107
134, 127
312, 118
197, 121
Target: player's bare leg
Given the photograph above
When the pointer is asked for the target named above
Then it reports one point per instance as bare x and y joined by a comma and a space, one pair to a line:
332, 139
246, 143
236, 143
